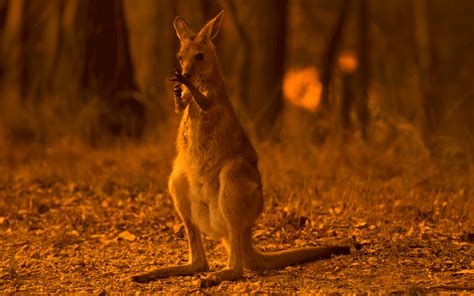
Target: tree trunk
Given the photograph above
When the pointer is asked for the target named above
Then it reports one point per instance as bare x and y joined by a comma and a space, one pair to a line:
425, 73
241, 73
3, 13
362, 107
40, 23
108, 68
108, 73
3, 18
330, 57
265, 24
153, 50
347, 99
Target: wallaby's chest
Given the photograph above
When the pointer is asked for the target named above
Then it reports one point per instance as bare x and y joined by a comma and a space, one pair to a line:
198, 144
198, 130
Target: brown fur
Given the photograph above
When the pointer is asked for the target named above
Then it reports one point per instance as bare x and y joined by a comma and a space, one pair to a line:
215, 183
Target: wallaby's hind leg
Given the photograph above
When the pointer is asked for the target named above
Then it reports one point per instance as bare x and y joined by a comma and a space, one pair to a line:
234, 269
240, 203
179, 189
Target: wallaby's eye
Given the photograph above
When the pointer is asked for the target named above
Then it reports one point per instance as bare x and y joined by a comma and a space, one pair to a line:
199, 56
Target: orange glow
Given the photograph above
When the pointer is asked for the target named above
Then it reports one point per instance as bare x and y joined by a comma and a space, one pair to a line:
303, 88
348, 62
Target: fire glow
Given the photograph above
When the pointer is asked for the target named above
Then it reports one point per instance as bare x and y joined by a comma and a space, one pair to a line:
303, 88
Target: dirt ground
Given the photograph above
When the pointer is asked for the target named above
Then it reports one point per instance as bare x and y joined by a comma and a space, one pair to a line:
85, 222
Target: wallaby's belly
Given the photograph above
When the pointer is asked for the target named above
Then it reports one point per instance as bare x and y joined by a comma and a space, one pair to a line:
205, 211
202, 175
208, 219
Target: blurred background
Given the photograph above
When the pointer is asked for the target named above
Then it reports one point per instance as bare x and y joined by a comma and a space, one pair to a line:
395, 75
361, 112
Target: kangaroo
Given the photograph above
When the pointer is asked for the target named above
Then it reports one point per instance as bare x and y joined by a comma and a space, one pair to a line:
215, 183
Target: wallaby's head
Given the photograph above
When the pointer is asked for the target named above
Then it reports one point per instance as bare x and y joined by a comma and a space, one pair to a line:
197, 55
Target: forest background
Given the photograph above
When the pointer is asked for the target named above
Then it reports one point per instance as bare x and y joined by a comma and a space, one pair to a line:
361, 112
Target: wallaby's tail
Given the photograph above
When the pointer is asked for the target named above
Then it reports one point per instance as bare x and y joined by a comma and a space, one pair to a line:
256, 260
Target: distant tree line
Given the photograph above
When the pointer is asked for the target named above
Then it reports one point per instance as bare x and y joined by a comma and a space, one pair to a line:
118, 54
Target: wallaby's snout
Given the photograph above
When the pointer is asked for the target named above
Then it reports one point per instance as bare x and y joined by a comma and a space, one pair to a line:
187, 73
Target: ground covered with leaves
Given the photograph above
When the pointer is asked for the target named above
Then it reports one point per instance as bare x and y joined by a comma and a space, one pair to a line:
85, 221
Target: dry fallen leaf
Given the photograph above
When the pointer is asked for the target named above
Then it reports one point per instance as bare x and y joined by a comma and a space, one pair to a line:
464, 271
73, 233
410, 231
177, 228
360, 224
127, 236
372, 260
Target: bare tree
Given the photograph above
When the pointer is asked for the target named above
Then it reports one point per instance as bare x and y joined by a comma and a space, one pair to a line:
355, 78
242, 71
38, 42
3, 13
348, 89
330, 56
108, 71
425, 73
153, 47
3, 18
362, 107
262, 26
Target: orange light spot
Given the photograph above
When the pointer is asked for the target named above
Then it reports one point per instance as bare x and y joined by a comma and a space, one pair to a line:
347, 61
303, 88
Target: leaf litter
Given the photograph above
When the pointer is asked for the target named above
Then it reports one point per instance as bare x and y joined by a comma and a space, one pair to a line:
60, 235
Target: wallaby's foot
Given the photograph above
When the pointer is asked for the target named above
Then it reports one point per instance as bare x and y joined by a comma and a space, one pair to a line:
147, 277
144, 278
183, 270
215, 278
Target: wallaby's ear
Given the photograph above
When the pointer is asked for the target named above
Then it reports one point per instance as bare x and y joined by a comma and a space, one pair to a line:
182, 28
212, 27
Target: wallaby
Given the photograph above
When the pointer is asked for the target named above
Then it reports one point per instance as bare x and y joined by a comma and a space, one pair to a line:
215, 183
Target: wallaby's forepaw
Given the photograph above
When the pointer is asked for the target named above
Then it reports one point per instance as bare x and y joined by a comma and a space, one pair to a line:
177, 76
178, 92
179, 103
